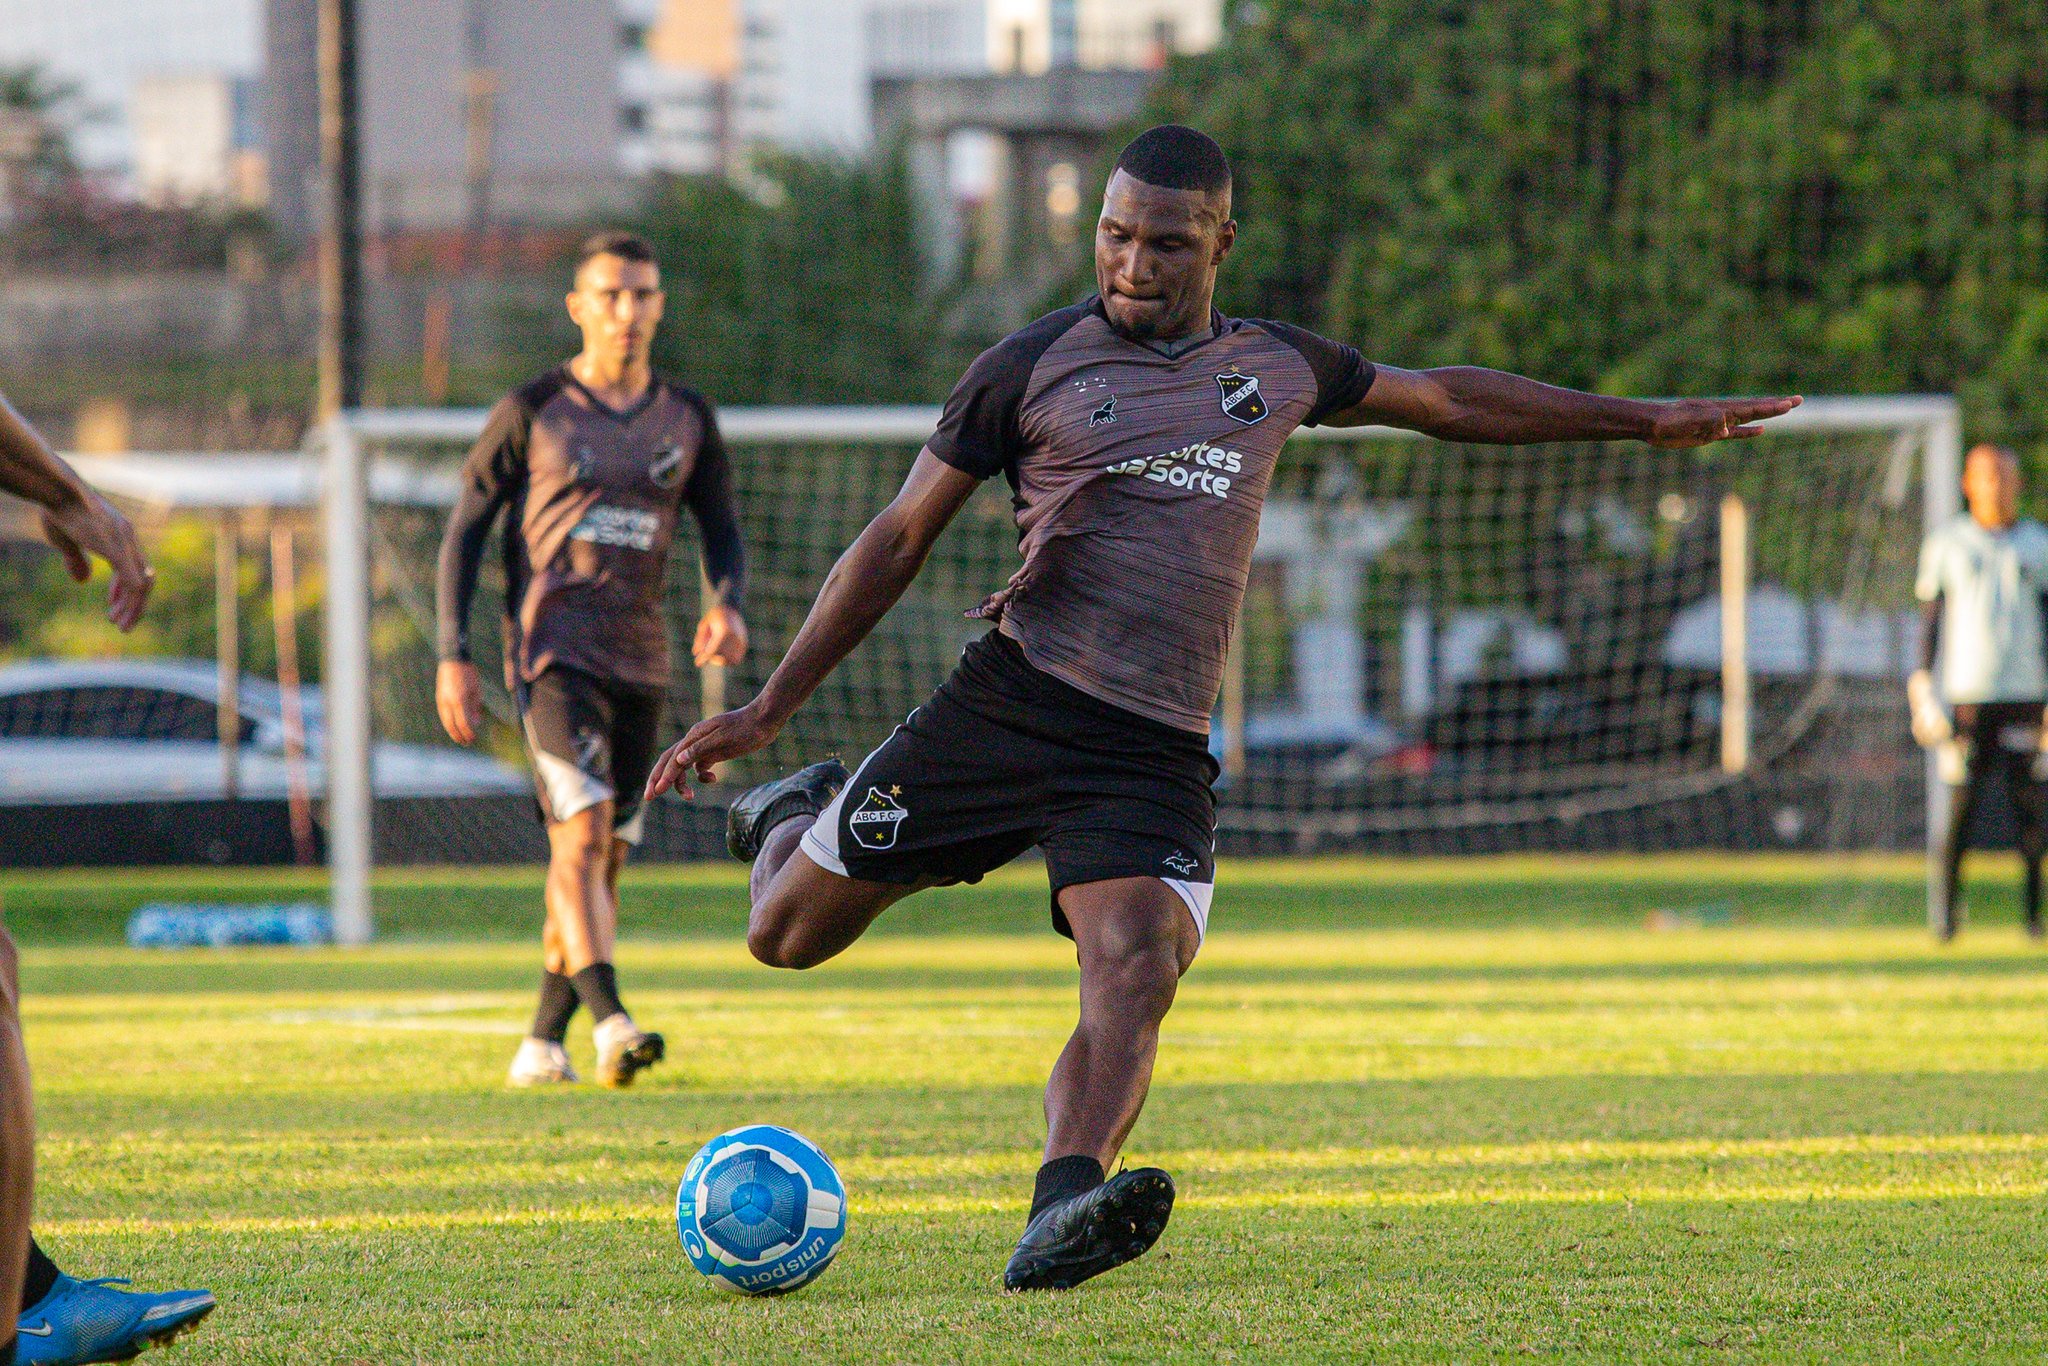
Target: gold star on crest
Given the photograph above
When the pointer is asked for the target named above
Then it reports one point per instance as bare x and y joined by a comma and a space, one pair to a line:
895, 791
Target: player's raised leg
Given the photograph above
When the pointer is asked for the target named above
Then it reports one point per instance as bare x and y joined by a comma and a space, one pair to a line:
800, 913
1134, 938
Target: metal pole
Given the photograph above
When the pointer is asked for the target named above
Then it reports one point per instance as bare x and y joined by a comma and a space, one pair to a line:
1940, 500
1734, 634
341, 247
346, 682
284, 621
227, 632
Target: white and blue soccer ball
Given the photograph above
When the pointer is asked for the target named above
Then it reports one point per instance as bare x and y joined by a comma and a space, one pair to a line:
761, 1210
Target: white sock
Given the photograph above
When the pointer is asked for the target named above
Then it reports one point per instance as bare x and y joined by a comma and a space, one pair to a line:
613, 1028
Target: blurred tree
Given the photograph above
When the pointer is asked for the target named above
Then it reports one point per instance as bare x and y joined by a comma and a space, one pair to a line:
1650, 196
803, 287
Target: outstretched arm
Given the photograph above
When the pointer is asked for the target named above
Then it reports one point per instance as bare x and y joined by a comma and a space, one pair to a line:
860, 590
76, 520
1467, 403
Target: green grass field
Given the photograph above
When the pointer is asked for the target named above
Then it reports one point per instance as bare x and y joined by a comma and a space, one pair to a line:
1418, 1112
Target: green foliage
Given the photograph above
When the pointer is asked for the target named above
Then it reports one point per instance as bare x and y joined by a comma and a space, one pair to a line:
50, 616
804, 290
1650, 196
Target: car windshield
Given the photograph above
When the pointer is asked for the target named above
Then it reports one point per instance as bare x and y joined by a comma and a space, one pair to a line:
110, 713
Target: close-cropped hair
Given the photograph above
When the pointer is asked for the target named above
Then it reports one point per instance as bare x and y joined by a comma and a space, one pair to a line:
1175, 157
627, 246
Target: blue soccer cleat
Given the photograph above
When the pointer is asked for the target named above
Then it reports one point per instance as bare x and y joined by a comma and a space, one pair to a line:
85, 1321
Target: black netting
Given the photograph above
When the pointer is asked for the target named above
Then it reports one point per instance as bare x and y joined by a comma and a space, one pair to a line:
1444, 648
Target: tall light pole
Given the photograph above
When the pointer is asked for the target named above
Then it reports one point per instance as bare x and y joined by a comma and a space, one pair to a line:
341, 237
345, 488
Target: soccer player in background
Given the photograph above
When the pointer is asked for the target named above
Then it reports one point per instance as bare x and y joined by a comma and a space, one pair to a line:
592, 466
1139, 431
1983, 586
63, 1319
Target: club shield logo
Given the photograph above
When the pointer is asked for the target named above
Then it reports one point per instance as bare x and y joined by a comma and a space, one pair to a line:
666, 469
1242, 400
873, 824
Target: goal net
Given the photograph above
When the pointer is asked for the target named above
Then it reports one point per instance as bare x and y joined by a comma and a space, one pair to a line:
1444, 649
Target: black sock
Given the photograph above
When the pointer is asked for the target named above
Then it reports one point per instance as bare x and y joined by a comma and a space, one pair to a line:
42, 1274
557, 1004
598, 986
1062, 1177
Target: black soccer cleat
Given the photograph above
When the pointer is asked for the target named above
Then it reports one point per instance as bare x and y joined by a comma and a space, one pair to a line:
805, 792
1085, 1235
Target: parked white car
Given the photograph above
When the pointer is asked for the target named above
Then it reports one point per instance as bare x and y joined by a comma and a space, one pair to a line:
101, 732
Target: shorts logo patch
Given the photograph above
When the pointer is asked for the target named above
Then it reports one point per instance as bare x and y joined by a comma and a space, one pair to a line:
593, 754
666, 469
1241, 397
1182, 864
874, 822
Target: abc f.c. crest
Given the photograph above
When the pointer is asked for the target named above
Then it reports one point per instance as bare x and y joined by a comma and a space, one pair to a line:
874, 822
1241, 397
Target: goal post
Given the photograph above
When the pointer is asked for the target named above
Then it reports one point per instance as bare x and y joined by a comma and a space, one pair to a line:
1445, 648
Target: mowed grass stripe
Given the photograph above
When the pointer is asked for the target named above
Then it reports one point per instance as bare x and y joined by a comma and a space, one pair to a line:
1438, 1132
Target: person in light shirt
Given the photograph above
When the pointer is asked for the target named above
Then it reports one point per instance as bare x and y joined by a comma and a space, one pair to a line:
1983, 584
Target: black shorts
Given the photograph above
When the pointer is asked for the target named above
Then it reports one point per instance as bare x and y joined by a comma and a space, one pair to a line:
1005, 757
592, 741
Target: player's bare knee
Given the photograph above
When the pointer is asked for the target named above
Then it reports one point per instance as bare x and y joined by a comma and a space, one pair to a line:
777, 939
1137, 974
581, 844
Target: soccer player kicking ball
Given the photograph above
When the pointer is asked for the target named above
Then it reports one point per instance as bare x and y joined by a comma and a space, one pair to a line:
1139, 431
63, 1319
592, 465
1984, 585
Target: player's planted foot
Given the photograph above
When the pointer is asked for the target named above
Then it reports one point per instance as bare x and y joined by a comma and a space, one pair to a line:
84, 1321
624, 1050
541, 1062
805, 792
1085, 1235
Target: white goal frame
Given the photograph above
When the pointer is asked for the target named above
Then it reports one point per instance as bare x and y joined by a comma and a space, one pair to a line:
1929, 427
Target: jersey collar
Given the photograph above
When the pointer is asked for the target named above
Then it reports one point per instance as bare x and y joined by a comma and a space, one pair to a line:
1218, 325
622, 416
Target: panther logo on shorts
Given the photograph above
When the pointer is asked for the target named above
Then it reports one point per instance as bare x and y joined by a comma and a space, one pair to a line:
1182, 864
593, 753
874, 822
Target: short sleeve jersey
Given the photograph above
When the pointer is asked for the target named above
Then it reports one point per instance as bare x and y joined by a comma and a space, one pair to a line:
1138, 478
1990, 585
593, 498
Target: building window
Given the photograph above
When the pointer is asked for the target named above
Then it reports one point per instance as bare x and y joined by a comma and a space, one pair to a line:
633, 117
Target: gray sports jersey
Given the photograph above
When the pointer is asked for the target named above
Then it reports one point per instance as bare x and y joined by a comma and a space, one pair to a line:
1138, 482
592, 499
1990, 584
